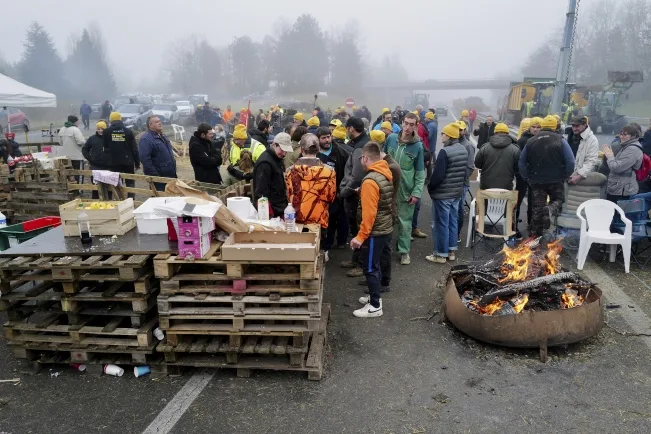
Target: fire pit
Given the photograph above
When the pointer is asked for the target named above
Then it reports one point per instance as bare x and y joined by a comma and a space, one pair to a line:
523, 298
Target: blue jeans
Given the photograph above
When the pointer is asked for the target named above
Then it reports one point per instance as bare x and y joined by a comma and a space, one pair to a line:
414, 220
373, 253
444, 226
462, 203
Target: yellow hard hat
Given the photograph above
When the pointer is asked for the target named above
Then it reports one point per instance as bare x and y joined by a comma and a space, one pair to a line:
501, 128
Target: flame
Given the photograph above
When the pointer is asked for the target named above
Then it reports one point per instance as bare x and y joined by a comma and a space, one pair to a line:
516, 264
552, 257
520, 302
489, 309
571, 298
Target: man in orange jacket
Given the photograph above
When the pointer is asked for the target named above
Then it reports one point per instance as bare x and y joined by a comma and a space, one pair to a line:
375, 228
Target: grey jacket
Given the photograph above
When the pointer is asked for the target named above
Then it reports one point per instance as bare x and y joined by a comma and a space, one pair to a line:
354, 171
470, 166
621, 178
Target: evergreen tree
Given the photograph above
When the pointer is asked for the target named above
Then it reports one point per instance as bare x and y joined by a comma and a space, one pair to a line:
88, 71
40, 65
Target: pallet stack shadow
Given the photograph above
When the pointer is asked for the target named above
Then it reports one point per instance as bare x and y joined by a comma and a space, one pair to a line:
244, 315
93, 310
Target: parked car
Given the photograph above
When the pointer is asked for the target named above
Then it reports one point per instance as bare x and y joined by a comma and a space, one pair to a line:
441, 110
17, 118
130, 112
184, 109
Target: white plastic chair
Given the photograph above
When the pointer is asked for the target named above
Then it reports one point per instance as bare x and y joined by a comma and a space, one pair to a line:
179, 132
595, 228
495, 213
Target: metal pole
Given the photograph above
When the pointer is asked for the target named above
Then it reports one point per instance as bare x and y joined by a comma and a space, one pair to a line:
564, 60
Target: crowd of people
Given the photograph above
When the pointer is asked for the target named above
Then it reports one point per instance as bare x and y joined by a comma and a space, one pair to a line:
361, 179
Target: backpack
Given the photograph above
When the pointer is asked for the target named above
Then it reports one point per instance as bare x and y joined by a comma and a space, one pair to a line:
642, 174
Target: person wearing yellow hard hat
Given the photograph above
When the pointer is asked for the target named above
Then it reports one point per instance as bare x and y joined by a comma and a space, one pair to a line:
386, 128
122, 147
524, 190
546, 162
313, 124
378, 137
525, 124
498, 160
299, 120
387, 117
239, 143
465, 116
94, 151
334, 123
445, 188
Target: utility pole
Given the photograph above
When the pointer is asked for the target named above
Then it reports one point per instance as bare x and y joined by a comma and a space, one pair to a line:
563, 71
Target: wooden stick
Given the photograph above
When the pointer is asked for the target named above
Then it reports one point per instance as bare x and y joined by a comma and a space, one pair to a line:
528, 286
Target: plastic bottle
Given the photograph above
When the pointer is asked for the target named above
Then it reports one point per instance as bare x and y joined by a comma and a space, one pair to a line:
290, 218
263, 208
83, 222
3, 220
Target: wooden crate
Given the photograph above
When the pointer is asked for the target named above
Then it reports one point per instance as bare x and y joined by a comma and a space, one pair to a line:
116, 221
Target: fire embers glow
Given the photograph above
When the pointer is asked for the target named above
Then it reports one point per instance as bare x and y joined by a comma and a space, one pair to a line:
516, 264
552, 257
571, 298
499, 307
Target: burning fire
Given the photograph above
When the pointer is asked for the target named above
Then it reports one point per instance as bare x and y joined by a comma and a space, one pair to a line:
552, 257
516, 263
520, 302
571, 298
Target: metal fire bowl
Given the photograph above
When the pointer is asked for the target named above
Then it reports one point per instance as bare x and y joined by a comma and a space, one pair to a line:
527, 329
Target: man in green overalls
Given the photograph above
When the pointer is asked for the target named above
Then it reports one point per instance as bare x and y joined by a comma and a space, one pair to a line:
406, 148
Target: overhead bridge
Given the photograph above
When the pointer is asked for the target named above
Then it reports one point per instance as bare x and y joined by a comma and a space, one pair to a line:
490, 84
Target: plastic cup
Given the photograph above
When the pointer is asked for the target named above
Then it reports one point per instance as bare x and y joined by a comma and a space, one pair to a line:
139, 371
79, 366
159, 334
114, 370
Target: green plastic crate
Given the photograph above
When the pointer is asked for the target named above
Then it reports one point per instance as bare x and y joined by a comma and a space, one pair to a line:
13, 235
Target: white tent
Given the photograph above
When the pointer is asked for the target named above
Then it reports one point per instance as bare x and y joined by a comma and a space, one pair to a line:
16, 94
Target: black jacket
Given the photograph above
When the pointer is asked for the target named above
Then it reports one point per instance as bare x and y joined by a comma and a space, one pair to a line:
120, 143
524, 138
269, 181
484, 133
258, 135
336, 160
93, 151
106, 110
205, 160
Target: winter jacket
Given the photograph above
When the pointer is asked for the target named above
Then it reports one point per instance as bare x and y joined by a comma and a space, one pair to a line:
107, 108
410, 157
587, 155
258, 135
394, 127
71, 140
395, 174
269, 181
524, 138
354, 171
93, 151
432, 134
498, 162
546, 159
311, 188
157, 155
120, 143
484, 132
470, 165
621, 178
449, 172
424, 135
205, 160
374, 211
290, 158
85, 110
336, 160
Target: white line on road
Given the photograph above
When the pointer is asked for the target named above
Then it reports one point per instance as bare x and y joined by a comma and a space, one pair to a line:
173, 411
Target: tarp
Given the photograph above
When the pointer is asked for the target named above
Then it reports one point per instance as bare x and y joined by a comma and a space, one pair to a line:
16, 94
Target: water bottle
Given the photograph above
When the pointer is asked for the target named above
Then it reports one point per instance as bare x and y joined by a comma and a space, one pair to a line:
3, 220
83, 222
290, 218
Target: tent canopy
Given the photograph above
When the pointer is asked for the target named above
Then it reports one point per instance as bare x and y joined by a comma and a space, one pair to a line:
16, 94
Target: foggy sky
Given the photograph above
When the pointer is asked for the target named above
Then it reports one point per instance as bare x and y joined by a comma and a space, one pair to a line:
435, 39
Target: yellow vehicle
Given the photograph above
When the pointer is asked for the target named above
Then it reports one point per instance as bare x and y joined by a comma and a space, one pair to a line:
522, 98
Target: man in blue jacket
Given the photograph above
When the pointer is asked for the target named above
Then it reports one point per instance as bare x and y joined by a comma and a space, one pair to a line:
156, 154
388, 117
85, 110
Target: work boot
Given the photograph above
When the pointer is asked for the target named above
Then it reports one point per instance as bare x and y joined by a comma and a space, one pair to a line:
405, 259
355, 272
417, 233
348, 264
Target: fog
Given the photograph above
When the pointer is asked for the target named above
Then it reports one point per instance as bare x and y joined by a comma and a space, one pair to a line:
434, 39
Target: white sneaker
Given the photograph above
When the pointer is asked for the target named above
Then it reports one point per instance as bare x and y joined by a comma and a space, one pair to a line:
367, 299
368, 311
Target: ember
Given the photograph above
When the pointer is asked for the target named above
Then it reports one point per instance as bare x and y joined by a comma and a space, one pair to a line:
527, 279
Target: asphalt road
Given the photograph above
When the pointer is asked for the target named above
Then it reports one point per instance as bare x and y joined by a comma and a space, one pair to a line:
401, 373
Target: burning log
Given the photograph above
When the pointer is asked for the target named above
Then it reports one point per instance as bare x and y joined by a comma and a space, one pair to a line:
533, 285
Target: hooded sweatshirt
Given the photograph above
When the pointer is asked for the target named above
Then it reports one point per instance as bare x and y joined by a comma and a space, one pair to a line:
498, 162
311, 188
71, 141
376, 204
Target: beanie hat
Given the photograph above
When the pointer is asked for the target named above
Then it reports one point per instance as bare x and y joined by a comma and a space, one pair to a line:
240, 132
429, 115
461, 124
115, 116
386, 125
465, 113
378, 136
451, 130
501, 128
313, 122
386, 110
525, 124
549, 122
536, 121
101, 124
335, 122
299, 117
339, 133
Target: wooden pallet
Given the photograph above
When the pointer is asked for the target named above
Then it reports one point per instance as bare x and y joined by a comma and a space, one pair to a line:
54, 329
310, 361
214, 276
71, 270
110, 295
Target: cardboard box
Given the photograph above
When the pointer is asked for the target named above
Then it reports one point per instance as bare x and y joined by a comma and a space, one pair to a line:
273, 247
116, 221
191, 247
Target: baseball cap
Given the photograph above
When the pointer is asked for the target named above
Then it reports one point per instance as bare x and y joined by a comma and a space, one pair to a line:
284, 141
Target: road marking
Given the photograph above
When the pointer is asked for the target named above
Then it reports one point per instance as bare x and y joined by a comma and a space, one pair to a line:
630, 311
173, 411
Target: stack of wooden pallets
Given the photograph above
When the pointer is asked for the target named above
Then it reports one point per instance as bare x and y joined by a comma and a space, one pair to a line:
80, 309
243, 315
